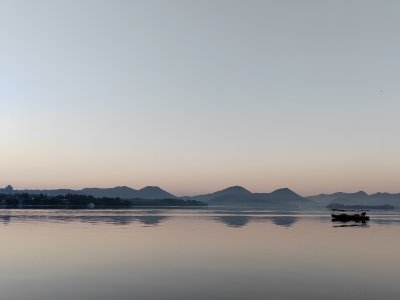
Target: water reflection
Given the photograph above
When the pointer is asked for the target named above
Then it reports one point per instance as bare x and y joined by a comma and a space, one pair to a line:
385, 221
234, 221
5, 219
378, 219
151, 219
340, 223
116, 220
364, 225
155, 217
285, 221
239, 221
147, 220
203, 254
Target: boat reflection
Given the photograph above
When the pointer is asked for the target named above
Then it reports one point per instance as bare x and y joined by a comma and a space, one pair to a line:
363, 225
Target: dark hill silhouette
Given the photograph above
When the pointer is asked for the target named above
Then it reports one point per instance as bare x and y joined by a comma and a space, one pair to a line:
153, 192
338, 195
230, 192
239, 196
284, 198
285, 192
123, 192
358, 198
232, 196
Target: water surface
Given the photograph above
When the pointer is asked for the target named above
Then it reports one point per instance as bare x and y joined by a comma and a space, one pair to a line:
196, 254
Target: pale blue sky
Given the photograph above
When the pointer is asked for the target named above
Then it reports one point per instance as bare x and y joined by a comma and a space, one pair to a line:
195, 96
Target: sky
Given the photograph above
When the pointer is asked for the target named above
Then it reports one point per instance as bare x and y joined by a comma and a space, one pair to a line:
195, 96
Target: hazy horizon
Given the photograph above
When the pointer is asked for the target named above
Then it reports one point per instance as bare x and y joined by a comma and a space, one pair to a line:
201, 95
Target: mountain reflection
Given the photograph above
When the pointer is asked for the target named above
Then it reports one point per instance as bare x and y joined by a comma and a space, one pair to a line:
151, 219
148, 220
241, 221
143, 217
5, 219
234, 221
285, 221
116, 220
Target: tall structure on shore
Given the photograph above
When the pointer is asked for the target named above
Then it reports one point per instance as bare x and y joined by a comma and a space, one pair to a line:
7, 190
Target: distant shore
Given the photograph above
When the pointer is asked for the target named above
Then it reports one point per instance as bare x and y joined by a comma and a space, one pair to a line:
72, 201
343, 206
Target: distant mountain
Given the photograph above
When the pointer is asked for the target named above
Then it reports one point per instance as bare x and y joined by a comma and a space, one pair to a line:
233, 191
283, 194
284, 198
233, 196
339, 195
358, 198
239, 196
123, 192
154, 192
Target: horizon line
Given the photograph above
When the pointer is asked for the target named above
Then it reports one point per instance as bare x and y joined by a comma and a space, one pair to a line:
191, 195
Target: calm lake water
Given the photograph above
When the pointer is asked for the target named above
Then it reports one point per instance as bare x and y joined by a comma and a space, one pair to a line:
196, 254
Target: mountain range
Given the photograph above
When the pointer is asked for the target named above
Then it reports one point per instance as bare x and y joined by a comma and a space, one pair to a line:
239, 196
358, 198
123, 192
233, 196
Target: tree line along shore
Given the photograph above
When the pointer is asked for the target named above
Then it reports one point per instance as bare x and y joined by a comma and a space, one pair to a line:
73, 201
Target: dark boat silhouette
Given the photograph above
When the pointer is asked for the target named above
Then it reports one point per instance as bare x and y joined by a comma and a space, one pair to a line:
345, 215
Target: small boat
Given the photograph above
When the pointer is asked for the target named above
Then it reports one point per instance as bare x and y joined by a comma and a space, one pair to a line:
341, 215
